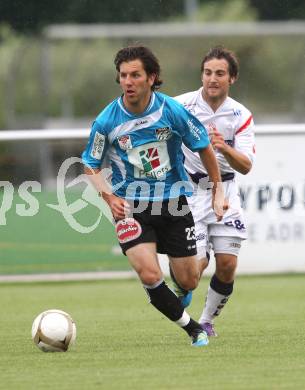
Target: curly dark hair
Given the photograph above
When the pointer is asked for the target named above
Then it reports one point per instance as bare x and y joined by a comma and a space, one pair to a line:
221, 52
146, 56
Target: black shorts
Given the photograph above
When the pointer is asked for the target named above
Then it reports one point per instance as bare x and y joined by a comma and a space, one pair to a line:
158, 222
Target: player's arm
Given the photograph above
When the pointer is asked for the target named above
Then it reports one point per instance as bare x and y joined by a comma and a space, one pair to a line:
196, 138
118, 206
93, 157
237, 160
209, 161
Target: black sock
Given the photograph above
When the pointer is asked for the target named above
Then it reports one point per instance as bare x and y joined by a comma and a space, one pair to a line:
164, 300
192, 328
221, 287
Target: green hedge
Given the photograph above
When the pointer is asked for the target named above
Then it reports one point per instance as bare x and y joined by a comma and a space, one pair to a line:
81, 76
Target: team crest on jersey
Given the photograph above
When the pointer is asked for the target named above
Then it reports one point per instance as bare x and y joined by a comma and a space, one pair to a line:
125, 142
163, 133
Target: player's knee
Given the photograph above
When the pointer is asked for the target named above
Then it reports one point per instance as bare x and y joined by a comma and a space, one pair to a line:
190, 283
226, 269
202, 263
149, 277
230, 266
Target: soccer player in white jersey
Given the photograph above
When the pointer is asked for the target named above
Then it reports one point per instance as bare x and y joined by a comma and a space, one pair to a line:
141, 133
231, 130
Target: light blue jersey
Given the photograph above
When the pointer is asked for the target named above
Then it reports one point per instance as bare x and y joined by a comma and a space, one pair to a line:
144, 151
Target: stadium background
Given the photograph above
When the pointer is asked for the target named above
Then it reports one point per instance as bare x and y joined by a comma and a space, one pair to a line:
59, 76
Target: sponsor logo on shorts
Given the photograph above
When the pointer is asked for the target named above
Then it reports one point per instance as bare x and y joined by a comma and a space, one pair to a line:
200, 237
190, 247
235, 245
98, 146
163, 133
128, 229
237, 223
125, 142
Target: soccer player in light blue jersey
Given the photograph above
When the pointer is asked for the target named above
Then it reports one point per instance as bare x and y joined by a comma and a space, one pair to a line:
139, 135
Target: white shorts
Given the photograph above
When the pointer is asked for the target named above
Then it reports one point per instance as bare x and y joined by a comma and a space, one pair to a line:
206, 225
224, 244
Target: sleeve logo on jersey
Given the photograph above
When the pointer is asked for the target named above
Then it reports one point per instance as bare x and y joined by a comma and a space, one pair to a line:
194, 130
150, 160
163, 133
98, 146
125, 142
128, 229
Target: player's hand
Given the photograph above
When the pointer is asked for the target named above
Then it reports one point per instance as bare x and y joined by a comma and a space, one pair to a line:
218, 141
119, 207
221, 209
219, 203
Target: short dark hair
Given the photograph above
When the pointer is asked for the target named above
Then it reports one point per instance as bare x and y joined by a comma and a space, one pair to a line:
221, 52
145, 55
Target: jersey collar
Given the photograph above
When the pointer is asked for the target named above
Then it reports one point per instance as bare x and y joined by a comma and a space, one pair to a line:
131, 114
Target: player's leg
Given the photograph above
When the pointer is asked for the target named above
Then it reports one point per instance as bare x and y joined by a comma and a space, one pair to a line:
185, 270
186, 275
143, 258
226, 238
203, 258
226, 250
200, 206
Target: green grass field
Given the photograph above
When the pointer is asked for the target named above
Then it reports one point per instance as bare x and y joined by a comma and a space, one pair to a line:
124, 343
46, 243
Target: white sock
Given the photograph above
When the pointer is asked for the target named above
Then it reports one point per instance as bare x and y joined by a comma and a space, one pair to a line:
213, 305
184, 320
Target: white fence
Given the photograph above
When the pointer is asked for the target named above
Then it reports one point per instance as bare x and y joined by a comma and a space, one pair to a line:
273, 196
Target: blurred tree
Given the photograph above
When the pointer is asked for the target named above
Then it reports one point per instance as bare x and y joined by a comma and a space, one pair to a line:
279, 9
226, 11
32, 15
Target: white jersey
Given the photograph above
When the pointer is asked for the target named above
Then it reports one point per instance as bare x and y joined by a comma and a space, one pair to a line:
233, 120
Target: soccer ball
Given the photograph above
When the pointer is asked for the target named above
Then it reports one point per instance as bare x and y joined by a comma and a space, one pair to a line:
53, 331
